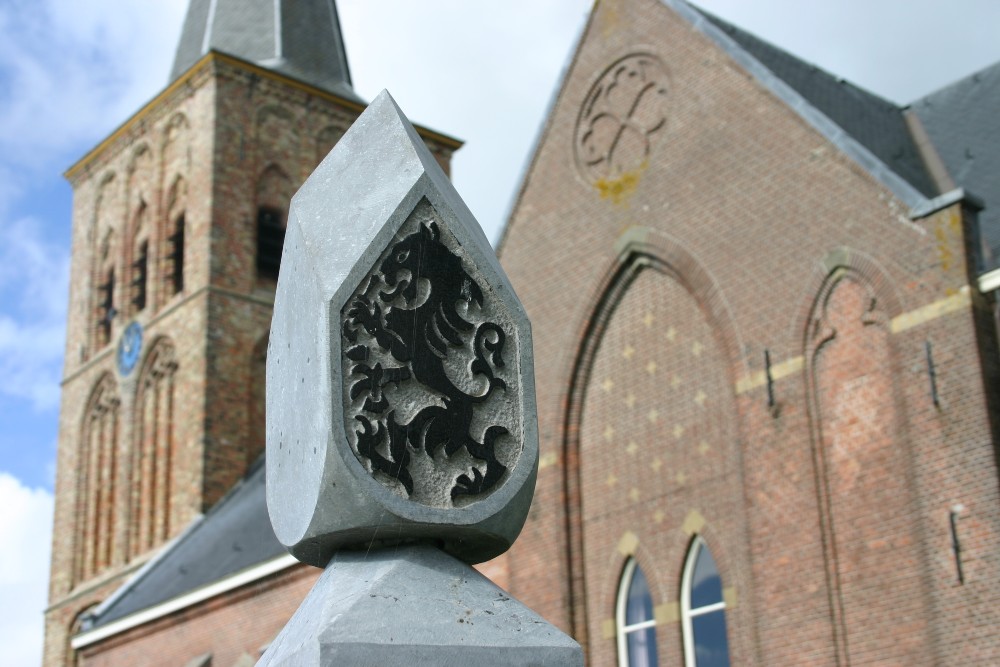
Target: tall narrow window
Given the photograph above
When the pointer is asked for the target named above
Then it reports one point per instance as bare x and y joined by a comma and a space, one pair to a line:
175, 257
97, 470
274, 190
153, 451
105, 308
270, 239
636, 626
140, 271
703, 610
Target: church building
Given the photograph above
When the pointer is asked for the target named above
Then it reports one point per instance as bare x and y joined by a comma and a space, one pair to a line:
765, 326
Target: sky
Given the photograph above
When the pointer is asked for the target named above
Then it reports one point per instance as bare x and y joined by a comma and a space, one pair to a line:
71, 71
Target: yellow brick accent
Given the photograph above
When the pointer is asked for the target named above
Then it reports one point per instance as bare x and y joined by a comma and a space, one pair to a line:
778, 371
949, 304
729, 597
668, 612
547, 460
608, 628
693, 523
628, 543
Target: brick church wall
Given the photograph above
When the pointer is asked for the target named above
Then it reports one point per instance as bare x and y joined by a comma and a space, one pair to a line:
229, 628
750, 215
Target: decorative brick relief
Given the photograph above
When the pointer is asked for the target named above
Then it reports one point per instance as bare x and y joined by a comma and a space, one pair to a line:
618, 123
863, 475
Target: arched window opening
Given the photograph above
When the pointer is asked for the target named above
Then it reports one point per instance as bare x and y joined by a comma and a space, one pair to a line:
102, 308
273, 196
140, 271
634, 619
105, 307
97, 482
175, 232
270, 239
703, 610
175, 257
138, 263
152, 456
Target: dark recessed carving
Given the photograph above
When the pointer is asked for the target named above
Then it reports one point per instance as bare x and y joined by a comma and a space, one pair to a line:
423, 359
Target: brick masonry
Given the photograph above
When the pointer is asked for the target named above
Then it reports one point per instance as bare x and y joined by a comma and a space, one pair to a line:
233, 628
656, 284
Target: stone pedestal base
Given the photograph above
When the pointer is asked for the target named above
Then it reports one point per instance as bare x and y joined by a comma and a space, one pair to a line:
415, 606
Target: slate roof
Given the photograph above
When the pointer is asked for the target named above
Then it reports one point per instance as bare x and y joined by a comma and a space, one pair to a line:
963, 122
875, 123
235, 534
298, 38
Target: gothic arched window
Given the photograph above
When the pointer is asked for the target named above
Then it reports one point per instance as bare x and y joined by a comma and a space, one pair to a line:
139, 262
175, 257
703, 610
105, 302
173, 273
634, 621
273, 196
104, 245
97, 481
152, 455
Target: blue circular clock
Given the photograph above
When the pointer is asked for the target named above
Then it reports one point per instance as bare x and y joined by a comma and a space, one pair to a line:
129, 347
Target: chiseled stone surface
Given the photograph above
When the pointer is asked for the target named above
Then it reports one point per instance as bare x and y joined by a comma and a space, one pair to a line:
401, 417
414, 606
400, 381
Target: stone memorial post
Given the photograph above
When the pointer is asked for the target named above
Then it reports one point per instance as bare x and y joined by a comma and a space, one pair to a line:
401, 430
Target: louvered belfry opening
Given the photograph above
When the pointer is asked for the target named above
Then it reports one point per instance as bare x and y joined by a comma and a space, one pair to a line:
140, 272
270, 239
175, 257
105, 308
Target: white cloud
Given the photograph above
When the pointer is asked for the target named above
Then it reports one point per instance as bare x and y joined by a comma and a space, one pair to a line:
72, 71
25, 545
34, 275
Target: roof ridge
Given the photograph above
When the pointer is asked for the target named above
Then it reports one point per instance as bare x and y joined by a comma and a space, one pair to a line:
974, 77
730, 29
870, 121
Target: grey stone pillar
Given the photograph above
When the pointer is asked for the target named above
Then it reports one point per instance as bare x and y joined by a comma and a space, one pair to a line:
402, 442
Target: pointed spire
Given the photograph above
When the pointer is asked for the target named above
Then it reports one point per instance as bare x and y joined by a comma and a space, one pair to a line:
298, 38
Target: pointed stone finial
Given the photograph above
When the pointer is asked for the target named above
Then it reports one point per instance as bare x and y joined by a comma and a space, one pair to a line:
400, 383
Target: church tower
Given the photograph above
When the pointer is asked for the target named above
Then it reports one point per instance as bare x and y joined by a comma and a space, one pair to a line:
178, 225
